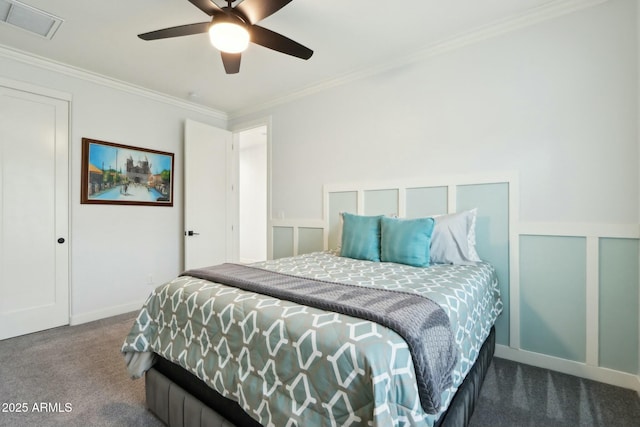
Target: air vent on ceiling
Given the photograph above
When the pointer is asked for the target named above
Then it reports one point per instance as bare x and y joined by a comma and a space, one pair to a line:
29, 18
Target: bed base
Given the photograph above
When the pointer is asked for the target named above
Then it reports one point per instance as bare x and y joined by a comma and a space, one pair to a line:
176, 396
175, 407
461, 408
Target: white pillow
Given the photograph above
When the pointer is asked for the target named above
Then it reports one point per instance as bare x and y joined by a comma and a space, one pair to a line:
454, 237
471, 236
340, 227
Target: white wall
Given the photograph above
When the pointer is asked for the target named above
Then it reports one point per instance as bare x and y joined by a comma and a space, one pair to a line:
556, 102
116, 248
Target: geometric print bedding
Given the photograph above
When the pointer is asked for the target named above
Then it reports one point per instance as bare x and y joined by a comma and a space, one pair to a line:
292, 365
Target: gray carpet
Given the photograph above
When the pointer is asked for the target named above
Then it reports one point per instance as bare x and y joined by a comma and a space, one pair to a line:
79, 365
514, 394
79, 375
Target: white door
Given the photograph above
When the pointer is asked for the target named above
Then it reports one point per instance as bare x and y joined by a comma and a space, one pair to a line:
208, 176
34, 204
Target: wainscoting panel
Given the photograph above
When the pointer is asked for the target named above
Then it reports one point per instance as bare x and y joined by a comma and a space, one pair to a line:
492, 238
618, 296
310, 240
282, 242
426, 201
553, 296
381, 202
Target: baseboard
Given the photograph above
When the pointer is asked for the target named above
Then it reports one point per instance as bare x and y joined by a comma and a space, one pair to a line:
579, 369
78, 319
249, 260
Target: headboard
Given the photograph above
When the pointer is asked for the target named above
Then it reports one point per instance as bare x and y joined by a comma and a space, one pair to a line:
494, 196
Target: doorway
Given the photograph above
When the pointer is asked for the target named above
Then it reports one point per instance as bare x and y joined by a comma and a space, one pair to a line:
253, 194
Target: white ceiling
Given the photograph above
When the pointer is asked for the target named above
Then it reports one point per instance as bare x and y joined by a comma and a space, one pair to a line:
349, 38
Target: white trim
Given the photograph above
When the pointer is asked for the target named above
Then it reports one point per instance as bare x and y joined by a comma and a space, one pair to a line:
28, 87
59, 67
514, 262
596, 373
423, 182
297, 223
249, 261
580, 229
592, 321
103, 313
325, 218
402, 202
360, 202
452, 198
638, 156
533, 16
251, 124
296, 236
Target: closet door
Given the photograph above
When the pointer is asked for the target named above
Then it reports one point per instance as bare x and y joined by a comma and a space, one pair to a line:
34, 208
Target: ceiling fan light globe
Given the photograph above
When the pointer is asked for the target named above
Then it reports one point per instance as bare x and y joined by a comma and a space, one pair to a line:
229, 37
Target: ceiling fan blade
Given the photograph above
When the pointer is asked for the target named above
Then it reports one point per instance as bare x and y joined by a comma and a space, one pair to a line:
257, 10
207, 6
181, 30
231, 62
272, 40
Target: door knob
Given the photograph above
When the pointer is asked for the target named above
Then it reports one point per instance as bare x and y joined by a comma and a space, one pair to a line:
61, 240
191, 233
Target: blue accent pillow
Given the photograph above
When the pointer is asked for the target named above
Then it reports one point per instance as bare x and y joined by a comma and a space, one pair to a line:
360, 237
406, 241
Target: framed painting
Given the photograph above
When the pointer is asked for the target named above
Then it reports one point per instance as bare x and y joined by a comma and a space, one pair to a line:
117, 174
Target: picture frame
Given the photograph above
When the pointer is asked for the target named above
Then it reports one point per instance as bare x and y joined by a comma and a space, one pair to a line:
117, 174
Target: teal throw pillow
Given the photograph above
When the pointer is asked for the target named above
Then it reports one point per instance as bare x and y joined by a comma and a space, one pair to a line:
406, 241
361, 237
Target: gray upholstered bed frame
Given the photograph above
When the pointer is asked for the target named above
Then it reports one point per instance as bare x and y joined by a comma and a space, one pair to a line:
176, 407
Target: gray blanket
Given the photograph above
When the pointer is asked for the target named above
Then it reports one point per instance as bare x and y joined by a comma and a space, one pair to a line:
422, 323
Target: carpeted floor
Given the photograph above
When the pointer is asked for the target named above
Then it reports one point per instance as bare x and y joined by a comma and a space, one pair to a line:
75, 376
514, 394
77, 372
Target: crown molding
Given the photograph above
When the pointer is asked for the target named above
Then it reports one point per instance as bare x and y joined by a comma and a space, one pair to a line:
61, 68
553, 9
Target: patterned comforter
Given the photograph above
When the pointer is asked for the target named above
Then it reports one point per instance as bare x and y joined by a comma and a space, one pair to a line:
292, 365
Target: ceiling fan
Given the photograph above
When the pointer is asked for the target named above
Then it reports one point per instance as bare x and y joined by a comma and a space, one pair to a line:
232, 28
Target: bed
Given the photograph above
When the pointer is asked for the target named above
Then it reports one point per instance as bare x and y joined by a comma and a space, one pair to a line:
217, 351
